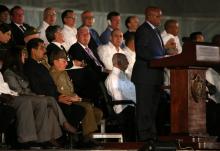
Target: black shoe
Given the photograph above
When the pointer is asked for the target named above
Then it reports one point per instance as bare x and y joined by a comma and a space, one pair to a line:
49, 145
29, 145
87, 142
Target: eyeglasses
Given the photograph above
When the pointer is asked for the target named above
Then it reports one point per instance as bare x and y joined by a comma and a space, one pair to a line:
74, 17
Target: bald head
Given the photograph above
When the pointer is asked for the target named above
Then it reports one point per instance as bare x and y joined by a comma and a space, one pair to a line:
153, 15
120, 61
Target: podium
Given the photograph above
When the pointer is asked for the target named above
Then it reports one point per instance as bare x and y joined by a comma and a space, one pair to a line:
187, 86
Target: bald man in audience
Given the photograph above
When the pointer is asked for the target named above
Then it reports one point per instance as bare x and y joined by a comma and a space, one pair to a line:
107, 51
49, 18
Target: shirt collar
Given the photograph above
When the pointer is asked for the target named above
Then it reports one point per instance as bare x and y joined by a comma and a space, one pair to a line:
152, 26
57, 44
83, 45
68, 27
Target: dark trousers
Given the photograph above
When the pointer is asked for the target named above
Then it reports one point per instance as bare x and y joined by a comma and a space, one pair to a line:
74, 113
7, 116
127, 122
148, 97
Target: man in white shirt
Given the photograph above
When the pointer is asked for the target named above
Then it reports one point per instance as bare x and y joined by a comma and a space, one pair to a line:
49, 18
107, 51
129, 50
120, 87
171, 31
69, 30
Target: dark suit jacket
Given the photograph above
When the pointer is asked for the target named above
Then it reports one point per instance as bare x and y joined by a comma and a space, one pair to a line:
86, 80
52, 47
17, 34
147, 46
77, 52
40, 79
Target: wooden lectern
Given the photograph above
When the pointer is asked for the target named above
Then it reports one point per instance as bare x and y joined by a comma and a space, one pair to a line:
187, 86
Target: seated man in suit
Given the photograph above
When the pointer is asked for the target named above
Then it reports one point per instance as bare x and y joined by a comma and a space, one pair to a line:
56, 39
93, 73
41, 82
18, 27
121, 88
65, 87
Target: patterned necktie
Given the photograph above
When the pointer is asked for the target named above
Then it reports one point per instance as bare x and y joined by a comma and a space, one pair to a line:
22, 28
91, 55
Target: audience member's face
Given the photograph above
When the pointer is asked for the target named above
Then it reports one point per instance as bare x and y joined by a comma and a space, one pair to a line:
200, 38
83, 36
50, 16
174, 29
115, 22
4, 16
116, 38
60, 64
70, 19
5, 37
133, 24
88, 19
59, 36
18, 16
155, 17
38, 54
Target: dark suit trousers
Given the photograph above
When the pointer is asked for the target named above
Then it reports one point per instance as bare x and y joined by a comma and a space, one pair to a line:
148, 97
73, 113
127, 121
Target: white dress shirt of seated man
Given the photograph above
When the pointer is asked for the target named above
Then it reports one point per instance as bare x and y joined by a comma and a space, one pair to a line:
49, 19
107, 51
117, 83
69, 30
170, 35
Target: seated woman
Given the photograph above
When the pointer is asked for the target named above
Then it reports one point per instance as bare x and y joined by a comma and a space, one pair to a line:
13, 75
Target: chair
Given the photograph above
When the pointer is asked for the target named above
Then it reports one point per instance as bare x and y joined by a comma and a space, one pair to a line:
111, 125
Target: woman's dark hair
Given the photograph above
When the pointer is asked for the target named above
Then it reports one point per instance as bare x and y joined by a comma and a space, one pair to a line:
3, 8
13, 61
4, 28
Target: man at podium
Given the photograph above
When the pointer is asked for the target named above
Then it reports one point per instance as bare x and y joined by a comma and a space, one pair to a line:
148, 45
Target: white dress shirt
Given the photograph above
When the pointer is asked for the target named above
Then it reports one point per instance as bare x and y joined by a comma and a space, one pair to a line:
69, 36
213, 77
42, 29
131, 59
106, 53
120, 88
4, 88
166, 36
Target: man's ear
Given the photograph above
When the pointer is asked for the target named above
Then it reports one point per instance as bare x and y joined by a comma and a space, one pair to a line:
109, 22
